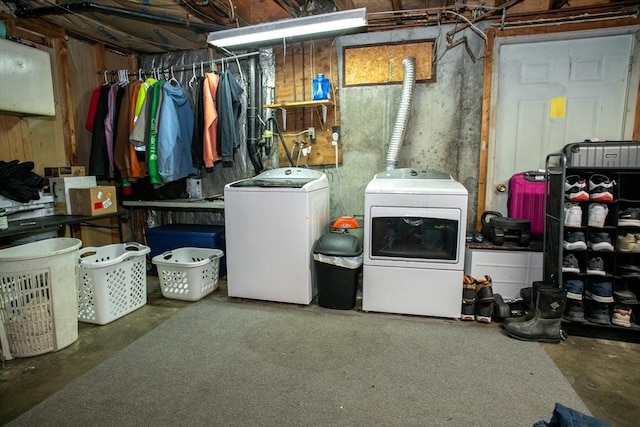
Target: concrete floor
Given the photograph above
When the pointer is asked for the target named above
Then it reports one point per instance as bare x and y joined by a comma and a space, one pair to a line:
604, 372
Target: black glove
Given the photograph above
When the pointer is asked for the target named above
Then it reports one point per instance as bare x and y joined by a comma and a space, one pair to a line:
18, 182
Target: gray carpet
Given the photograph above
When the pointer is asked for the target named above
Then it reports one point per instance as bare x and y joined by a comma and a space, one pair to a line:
234, 363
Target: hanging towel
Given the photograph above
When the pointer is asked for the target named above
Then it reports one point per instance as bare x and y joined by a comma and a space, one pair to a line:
229, 110
210, 110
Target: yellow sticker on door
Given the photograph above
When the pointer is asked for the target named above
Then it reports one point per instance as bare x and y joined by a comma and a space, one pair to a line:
558, 107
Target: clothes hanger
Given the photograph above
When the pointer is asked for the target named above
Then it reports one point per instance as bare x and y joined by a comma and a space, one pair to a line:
173, 80
194, 78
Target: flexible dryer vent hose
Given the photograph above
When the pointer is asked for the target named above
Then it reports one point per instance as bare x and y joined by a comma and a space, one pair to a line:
408, 83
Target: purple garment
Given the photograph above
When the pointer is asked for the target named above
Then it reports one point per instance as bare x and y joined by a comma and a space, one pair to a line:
108, 125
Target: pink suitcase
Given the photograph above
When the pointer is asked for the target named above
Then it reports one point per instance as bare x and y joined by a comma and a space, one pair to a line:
526, 198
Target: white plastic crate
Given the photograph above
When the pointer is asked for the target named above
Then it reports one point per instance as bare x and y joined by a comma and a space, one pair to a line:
188, 274
38, 297
112, 281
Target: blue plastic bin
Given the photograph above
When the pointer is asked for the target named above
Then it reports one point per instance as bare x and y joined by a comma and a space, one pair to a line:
174, 236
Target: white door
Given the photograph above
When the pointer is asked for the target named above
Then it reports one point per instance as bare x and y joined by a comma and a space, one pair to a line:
551, 93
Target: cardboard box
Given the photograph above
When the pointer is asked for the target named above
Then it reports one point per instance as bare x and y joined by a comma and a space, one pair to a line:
60, 189
63, 171
93, 201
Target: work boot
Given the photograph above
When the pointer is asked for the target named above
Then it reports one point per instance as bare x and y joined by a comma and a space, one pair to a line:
468, 298
484, 299
547, 316
535, 288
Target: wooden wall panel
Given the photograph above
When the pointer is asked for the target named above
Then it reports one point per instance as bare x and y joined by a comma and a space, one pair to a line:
83, 78
48, 142
296, 65
14, 139
379, 64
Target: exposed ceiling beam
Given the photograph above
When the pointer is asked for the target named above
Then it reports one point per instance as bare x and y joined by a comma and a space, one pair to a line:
84, 6
291, 7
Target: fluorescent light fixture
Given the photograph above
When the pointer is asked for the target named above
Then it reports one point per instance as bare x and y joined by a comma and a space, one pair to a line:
270, 33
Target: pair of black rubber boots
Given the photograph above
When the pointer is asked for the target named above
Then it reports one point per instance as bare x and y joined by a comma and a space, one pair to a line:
543, 322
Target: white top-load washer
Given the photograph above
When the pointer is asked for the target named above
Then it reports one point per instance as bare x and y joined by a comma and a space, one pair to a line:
271, 224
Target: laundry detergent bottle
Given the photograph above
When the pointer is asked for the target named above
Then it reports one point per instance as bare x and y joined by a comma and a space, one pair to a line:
320, 88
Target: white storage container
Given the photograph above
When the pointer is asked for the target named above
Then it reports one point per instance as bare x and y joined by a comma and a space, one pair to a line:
38, 295
188, 274
60, 190
112, 281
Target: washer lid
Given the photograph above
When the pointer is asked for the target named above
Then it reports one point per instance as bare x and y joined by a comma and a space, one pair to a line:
282, 177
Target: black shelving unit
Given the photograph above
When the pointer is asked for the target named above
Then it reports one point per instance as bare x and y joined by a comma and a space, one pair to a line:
626, 194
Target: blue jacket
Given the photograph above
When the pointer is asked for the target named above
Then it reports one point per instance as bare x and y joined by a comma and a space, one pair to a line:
175, 132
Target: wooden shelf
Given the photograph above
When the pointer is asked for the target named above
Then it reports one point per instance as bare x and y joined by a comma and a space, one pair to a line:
324, 103
300, 104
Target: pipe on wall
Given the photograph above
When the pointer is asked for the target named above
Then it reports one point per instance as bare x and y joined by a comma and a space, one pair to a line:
252, 112
408, 83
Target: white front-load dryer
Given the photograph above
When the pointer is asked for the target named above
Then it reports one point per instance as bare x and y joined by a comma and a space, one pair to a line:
271, 224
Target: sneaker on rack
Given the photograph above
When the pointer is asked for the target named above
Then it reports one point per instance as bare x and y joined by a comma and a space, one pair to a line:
574, 311
570, 264
597, 312
600, 291
597, 214
629, 216
468, 311
621, 315
574, 241
572, 215
600, 242
628, 243
575, 189
574, 288
595, 266
625, 296
601, 188
629, 271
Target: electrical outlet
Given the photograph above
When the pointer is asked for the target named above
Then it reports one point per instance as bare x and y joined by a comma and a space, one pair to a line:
335, 135
312, 133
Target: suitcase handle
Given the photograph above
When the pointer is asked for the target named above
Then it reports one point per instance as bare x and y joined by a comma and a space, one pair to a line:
534, 176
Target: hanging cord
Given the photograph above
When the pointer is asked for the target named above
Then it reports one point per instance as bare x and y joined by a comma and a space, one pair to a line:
344, 211
284, 145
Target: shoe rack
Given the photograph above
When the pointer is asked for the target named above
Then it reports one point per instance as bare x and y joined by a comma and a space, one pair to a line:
620, 260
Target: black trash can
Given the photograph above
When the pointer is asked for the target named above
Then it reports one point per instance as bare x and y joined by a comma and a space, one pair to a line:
338, 264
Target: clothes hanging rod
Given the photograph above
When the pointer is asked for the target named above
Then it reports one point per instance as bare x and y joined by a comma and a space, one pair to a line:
209, 63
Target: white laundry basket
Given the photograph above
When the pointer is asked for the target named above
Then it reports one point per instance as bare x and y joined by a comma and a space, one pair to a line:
38, 295
112, 281
188, 274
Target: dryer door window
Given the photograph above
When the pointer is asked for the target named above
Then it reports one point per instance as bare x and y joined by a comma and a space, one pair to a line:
415, 234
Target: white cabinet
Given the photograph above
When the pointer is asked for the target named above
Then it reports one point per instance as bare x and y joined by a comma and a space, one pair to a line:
510, 270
